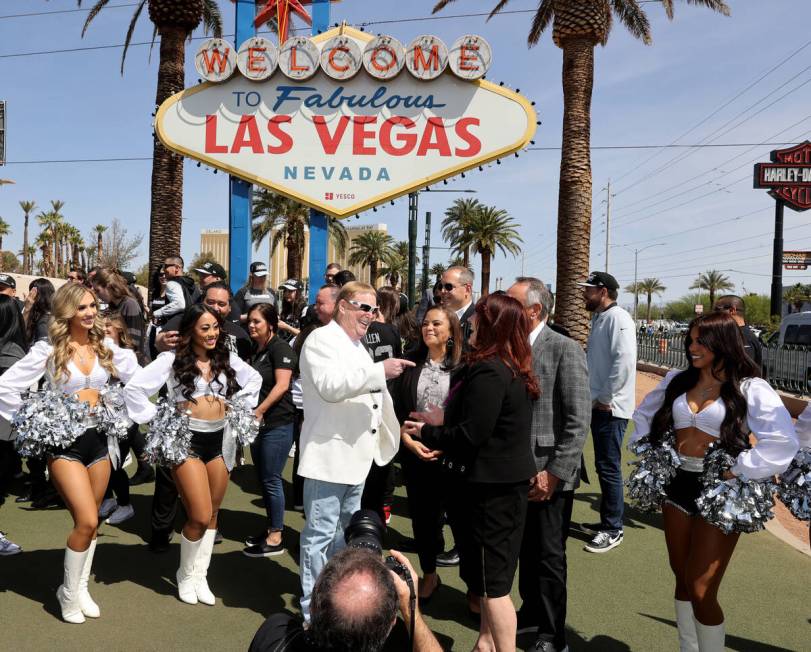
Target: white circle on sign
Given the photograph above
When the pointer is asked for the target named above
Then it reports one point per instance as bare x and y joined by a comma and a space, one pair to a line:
384, 57
341, 58
216, 60
426, 57
298, 58
470, 57
257, 58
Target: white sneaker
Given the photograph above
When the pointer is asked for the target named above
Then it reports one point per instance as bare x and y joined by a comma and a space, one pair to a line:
121, 514
108, 506
7, 547
604, 541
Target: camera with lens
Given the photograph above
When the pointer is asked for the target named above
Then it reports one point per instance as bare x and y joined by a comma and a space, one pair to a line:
365, 530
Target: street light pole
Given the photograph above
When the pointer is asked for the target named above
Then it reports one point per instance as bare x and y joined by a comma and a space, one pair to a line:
636, 289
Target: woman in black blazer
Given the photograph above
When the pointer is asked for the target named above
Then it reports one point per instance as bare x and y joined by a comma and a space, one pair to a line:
419, 388
485, 433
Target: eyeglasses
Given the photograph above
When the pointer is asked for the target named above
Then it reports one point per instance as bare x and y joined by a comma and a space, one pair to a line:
365, 307
448, 287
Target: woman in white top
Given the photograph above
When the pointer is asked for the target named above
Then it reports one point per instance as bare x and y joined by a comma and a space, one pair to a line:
718, 397
78, 361
200, 376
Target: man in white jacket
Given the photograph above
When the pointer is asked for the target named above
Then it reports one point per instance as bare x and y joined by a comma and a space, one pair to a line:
349, 421
611, 358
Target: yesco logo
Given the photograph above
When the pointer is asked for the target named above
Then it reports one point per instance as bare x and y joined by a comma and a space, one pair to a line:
341, 58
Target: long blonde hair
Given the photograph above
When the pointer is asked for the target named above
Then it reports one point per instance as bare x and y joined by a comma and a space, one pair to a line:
66, 302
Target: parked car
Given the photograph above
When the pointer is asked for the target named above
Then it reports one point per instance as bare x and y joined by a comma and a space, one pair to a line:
787, 354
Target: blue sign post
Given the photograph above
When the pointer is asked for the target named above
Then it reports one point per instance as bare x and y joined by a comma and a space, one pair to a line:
239, 205
318, 221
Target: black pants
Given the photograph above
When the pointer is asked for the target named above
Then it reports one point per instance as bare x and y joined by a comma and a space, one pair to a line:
298, 481
426, 506
542, 570
164, 503
378, 485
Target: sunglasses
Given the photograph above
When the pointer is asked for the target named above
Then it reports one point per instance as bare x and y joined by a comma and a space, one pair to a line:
448, 287
365, 307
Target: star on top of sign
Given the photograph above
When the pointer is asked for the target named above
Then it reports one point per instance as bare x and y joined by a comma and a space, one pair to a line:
278, 11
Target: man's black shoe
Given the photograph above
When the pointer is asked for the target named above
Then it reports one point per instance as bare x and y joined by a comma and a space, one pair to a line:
48, 499
160, 541
24, 498
145, 473
542, 645
450, 558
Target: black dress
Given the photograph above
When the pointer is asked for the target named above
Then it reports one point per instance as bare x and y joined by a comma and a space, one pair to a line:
487, 431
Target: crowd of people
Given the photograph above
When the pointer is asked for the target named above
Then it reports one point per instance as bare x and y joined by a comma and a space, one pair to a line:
484, 406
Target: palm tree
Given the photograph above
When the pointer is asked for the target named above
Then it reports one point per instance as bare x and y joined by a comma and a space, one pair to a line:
712, 281
370, 249
174, 21
285, 220
5, 229
43, 241
454, 224
649, 287
577, 27
797, 295
487, 230
99, 229
397, 269
76, 244
438, 269
28, 208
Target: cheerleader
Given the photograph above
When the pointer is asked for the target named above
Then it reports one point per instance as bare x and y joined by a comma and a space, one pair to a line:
718, 397
78, 361
200, 376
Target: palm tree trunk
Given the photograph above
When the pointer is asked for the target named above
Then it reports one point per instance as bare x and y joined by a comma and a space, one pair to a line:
165, 219
712, 297
466, 258
574, 194
84, 260
99, 247
1, 243
650, 298
26, 257
373, 273
485, 273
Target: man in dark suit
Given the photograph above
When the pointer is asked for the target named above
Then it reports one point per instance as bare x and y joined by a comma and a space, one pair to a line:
560, 423
456, 293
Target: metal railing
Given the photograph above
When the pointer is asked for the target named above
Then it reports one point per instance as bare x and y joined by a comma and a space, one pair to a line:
786, 367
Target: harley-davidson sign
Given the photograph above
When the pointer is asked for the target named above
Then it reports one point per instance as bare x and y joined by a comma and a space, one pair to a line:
788, 176
345, 120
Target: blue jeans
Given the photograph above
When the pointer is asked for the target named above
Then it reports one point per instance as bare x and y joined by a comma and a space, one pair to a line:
328, 506
607, 432
269, 451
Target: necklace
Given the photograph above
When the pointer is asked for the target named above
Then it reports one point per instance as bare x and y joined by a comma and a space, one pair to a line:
79, 354
705, 392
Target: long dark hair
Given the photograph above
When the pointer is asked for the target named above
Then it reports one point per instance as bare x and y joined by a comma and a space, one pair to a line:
185, 364
502, 331
42, 307
719, 332
388, 299
155, 287
268, 313
453, 349
12, 326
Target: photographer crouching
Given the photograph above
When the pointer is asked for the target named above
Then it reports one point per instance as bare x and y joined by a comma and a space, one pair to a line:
355, 603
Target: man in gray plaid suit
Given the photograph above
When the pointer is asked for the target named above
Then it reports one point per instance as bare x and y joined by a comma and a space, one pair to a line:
560, 423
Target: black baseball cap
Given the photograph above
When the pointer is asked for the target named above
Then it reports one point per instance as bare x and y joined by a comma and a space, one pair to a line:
292, 284
211, 269
601, 280
7, 279
259, 269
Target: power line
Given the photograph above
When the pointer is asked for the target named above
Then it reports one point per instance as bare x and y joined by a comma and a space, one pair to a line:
64, 11
691, 146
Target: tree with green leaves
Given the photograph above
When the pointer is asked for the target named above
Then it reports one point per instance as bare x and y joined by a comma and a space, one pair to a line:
455, 225
649, 287
797, 295
174, 21
99, 229
713, 282
371, 249
285, 220
437, 270
28, 207
397, 270
5, 229
578, 26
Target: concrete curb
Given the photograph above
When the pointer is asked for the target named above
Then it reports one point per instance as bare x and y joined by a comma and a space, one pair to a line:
776, 528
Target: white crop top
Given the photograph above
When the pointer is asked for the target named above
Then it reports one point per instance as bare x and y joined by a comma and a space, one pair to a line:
766, 416
27, 372
148, 381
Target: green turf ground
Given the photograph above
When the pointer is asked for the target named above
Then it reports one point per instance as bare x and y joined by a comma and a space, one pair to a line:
618, 601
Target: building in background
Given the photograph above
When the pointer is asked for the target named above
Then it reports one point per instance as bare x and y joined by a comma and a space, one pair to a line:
215, 242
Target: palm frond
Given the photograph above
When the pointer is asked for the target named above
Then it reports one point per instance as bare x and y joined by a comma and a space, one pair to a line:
541, 20
130, 32
94, 11
634, 18
716, 5
439, 6
501, 4
212, 18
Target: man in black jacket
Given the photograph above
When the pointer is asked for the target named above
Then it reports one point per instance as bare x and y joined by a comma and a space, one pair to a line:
456, 292
560, 422
735, 306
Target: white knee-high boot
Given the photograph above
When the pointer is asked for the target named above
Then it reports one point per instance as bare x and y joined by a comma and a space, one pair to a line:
710, 637
68, 591
89, 607
201, 564
688, 641
185, 573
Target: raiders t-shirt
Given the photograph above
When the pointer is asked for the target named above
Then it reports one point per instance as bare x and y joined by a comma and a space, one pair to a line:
276, 355
382, 341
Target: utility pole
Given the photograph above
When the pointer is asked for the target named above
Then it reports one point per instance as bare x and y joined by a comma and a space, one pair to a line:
426, 251
607, 221
413, 216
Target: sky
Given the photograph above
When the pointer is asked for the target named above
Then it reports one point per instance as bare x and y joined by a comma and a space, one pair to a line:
706, 79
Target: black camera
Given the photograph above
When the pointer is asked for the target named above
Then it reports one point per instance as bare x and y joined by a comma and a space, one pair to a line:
365, 530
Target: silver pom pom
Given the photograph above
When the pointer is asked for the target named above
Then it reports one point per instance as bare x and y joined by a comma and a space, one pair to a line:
794, 488
48, 420
169, 438
112, 412
654, 469
734, 505
244, 425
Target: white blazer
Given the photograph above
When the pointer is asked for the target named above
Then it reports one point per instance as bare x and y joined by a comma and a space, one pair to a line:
349, 417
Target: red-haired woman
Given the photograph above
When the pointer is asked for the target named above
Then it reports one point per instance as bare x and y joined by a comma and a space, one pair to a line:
719, 397
485, 439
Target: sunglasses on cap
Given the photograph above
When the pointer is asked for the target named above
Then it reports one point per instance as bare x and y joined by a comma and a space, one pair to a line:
364, 307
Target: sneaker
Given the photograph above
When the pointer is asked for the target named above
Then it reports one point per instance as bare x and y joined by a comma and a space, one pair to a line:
604, 541
7, 547
592, 528
292, 452
263, 549
450, 558
387, 513
256, 539
108, 506
121, 514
